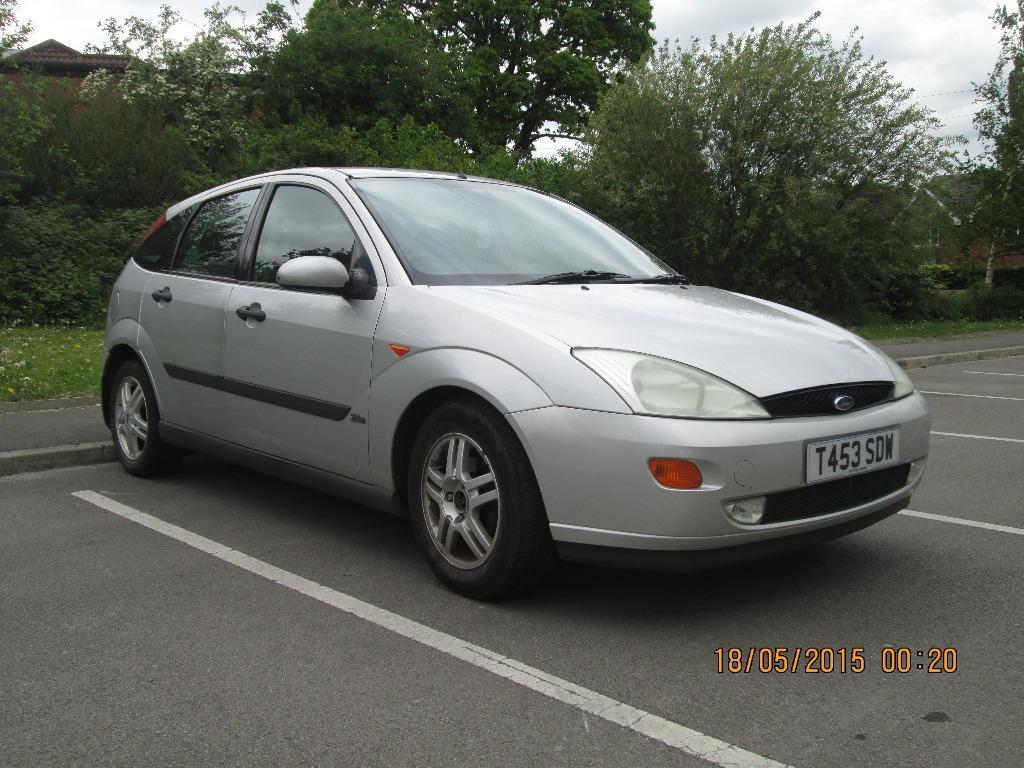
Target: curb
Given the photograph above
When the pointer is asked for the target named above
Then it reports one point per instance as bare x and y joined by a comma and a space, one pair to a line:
39, 459
57, 403
959, 357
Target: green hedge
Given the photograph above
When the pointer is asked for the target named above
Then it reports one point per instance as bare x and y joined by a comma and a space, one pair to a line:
1009, 277
964, 275
57, 263
1002, 303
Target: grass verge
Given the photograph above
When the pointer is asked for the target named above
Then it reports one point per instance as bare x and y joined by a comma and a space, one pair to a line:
931, 329
39, 363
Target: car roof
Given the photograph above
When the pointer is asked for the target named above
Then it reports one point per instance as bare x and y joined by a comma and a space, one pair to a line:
325, 173
371, 173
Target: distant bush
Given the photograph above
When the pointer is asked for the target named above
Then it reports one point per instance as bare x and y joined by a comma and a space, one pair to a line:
58, 263
1004, 302
960, 275
1009, 277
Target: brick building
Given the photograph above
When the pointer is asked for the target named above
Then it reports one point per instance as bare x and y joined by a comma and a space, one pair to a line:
51, 58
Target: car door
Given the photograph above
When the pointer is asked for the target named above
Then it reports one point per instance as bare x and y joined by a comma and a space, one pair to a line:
298, 377
183, 308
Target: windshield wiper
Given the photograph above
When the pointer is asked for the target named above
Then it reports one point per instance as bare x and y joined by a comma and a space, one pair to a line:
585, 276
655, 279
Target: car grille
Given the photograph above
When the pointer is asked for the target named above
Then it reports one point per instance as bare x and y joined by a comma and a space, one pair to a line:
819, 401
834, 495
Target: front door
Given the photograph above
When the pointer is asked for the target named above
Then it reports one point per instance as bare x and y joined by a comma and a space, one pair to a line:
183, 314
298, 374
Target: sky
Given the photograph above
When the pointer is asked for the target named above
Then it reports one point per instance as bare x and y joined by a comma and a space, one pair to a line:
936, 47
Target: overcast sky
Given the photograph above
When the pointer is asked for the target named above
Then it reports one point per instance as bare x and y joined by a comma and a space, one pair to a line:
937, 47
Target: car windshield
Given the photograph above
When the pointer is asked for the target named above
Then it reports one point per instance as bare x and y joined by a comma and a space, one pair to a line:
459, 232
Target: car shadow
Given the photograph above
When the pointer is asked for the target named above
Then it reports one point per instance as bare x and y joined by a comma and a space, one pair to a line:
819, 578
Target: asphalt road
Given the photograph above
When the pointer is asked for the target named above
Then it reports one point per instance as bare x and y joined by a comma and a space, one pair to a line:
122, 646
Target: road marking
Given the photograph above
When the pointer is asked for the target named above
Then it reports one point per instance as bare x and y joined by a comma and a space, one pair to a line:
960, 394
994, 373
961, 521
667, 732
980, 437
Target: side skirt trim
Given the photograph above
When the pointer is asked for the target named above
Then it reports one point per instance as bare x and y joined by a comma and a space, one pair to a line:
338, 485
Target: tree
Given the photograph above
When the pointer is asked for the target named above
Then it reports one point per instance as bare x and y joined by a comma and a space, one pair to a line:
199, 83
12, 32
21, 122
526, 64
999, 177
775, 162
93, 147
352, 68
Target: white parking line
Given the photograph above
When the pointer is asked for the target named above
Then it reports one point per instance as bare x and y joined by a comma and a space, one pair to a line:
994, 373
980, 437
667, 732
962, 521
960, 394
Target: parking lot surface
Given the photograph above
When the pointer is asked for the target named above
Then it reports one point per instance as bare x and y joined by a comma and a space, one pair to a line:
121, 645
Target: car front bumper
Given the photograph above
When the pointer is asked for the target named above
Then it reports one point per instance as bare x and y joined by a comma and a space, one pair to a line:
592, 470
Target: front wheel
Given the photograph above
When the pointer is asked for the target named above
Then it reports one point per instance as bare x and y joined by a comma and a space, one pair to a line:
475, 504
135, 423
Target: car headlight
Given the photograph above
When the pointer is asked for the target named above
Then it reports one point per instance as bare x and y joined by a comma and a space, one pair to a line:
903, 386
655, 386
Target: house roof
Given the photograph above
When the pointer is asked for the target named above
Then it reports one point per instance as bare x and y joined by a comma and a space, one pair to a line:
52, 55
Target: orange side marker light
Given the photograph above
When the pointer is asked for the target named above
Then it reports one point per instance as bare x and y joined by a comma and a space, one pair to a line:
400, 349
678, 474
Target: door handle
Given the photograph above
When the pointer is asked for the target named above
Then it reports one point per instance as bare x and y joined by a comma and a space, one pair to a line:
164, 294
252, 312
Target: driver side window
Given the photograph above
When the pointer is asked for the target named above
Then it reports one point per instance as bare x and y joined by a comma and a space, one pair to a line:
301, 222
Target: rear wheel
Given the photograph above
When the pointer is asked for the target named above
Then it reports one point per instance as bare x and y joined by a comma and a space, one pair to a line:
475, 503
135, 423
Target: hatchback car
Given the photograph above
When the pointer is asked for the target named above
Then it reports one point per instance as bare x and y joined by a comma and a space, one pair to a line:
522, 380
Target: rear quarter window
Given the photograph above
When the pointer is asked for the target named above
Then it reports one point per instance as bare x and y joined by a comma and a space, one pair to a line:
156, 251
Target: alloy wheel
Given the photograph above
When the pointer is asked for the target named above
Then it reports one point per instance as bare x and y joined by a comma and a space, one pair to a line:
131, 418
460, 500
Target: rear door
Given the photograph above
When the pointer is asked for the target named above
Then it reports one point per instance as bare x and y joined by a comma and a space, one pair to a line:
183, 310
298, 380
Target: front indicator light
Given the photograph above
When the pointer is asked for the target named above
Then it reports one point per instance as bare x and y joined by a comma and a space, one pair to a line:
677, 474
746, 511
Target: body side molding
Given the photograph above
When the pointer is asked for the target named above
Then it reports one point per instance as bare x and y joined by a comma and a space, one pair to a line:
290, 400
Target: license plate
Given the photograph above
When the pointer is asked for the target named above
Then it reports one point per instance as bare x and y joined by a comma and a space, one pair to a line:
829, 459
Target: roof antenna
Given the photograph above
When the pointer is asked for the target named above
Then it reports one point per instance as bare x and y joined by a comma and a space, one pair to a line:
461, 175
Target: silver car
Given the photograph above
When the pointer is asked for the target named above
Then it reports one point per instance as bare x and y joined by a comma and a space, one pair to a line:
520, 379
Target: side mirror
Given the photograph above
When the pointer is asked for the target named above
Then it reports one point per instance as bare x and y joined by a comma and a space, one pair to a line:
313, 272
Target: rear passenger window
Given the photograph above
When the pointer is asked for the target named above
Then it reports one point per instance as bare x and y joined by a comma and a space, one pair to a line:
301, 222
157, 250
210, 244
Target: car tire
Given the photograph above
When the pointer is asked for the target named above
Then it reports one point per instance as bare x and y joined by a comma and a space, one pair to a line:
475, 504
135, 423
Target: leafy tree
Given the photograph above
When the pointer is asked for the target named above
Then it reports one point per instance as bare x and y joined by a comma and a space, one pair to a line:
20, 121
775, 162
352, 68
199, 84
527, 63
12, 32
21, 124
999, 177
98, 149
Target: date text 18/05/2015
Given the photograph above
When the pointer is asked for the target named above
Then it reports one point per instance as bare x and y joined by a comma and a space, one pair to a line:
829, 659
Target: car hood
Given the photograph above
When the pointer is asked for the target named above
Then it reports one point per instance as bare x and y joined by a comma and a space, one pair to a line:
764, 348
